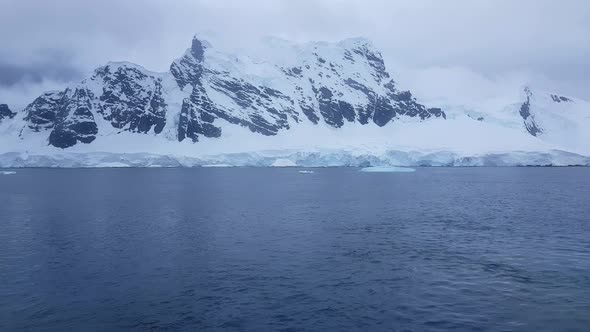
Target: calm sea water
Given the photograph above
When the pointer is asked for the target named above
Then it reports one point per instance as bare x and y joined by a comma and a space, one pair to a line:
468, 249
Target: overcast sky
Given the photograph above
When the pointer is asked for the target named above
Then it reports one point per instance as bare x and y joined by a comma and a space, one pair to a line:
48, 44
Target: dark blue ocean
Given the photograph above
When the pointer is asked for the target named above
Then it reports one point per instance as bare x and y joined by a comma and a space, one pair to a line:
259, 249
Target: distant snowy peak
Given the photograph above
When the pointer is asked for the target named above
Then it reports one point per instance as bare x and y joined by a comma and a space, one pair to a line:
319, 83
556, 118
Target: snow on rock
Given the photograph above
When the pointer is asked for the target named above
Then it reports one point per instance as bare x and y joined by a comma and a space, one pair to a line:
313, 104
320, 83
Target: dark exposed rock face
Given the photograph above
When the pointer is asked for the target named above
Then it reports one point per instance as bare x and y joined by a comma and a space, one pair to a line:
197, 116
204, 90
259, 98
332, 110
131, 99
525, 112
74, 121
560, 99
189, 69
383, 109
5, 112
42, 113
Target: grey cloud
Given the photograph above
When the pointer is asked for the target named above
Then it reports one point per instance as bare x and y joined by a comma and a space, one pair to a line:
50, 65
544, 37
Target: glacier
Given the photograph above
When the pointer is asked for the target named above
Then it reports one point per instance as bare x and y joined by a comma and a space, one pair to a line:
321, 158
314, 104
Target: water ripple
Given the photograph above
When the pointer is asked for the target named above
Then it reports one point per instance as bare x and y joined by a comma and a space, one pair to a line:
202, 249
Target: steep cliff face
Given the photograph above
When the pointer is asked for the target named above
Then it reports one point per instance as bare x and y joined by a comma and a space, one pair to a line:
322, 83
74, 121
130, 98
333, 84
41, 114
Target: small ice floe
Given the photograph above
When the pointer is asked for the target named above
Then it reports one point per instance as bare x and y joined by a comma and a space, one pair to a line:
7, 172
387, 169
306, 172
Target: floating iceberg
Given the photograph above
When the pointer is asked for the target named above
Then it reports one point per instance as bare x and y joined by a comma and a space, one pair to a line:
306, 172
387, 169
7, 172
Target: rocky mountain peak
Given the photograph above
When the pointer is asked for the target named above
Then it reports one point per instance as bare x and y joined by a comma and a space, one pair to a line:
329, 84
197, 49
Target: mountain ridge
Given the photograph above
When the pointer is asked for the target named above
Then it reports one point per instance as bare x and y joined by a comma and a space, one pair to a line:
340, 91
133, 99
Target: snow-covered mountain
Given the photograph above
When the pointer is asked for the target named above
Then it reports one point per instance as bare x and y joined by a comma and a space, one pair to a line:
300, 102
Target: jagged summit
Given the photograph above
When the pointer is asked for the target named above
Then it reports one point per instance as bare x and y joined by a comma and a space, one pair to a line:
198, 48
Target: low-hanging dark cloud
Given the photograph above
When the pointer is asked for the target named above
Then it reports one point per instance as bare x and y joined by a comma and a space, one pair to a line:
542, 38
52, 65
